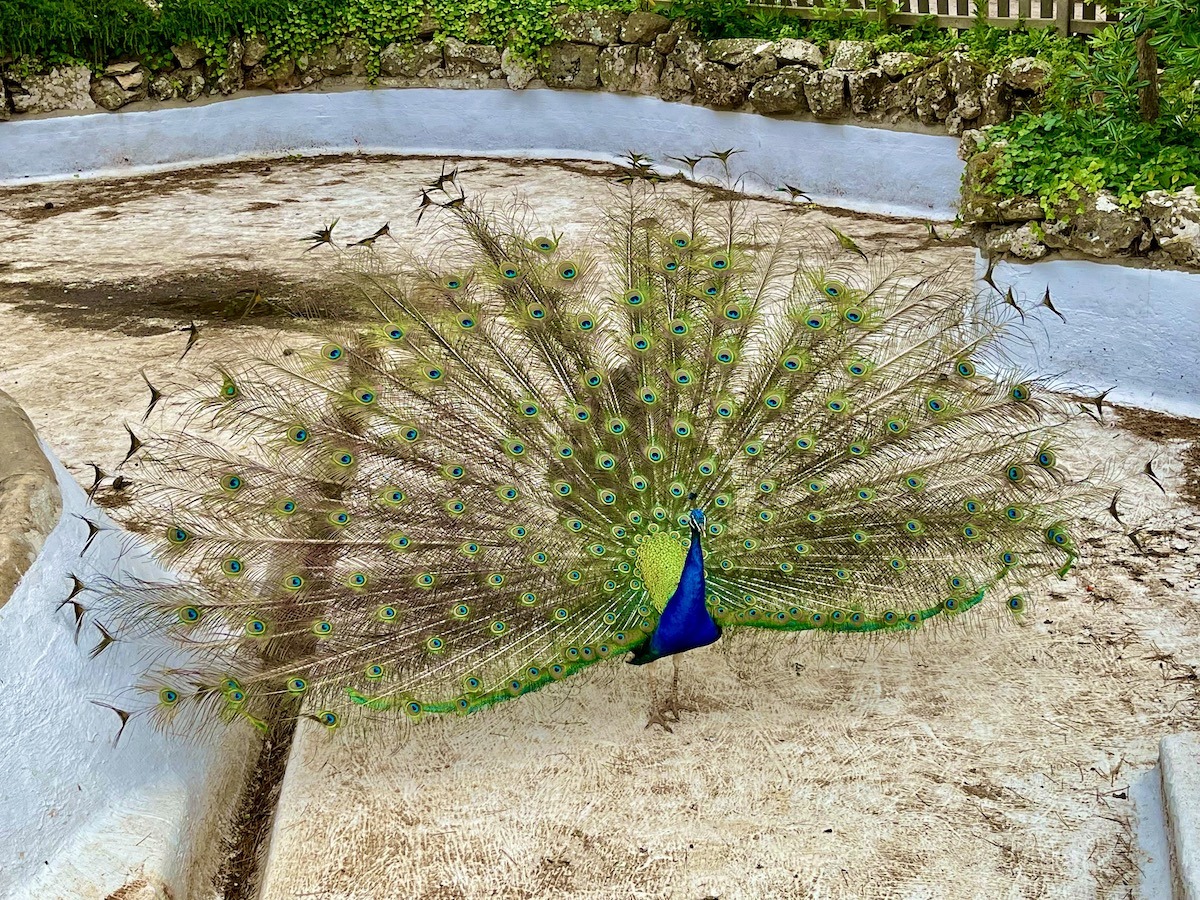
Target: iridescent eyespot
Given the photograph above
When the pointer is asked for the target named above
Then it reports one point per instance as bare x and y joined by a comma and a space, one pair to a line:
424, 580
544, 244
386, 613
373, 672
322, 628
568, 271
343, 458
678, 327
333, 352
670, 265
465, 321
410, 434
434, 644
461, 611
935, 404
231, 483
635, 297
452, 282
1015, 474
399, 542
232, 566
393, 332
585, 323
256, 627
649, 396
897, 426
293, 582
338, 518
509, 271
732, 311
297, 685
177, 535
681, 239
433, 373
815, 321
1046, 459
168, 697
965, 368
188, 615
1016, 603
356, 580
412, 709
365, 396
720, 262
529, 598
507, 492
853, 315
298, 434
1020, 392
725, 356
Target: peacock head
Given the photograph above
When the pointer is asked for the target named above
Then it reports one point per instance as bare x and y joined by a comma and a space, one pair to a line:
696, 519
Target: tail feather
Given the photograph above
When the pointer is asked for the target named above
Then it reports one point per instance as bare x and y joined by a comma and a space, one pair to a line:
468, 498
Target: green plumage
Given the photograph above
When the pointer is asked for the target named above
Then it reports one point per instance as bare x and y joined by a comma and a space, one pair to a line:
487, 489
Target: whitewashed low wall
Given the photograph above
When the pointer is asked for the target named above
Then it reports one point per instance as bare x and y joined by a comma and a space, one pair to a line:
864, 169
81, 817
1134, 330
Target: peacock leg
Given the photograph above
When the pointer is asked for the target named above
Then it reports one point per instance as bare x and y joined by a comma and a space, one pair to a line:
665, 710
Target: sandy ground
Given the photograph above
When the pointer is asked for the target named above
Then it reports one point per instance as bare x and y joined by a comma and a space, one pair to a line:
983, 760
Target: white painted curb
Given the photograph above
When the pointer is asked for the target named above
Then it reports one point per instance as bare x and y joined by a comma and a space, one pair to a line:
1179, 762
864, 169
1134, 330
81, 817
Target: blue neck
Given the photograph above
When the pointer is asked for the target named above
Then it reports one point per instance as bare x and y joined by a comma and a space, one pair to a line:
685, 622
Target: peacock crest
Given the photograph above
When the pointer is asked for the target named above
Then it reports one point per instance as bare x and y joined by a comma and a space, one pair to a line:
539, 455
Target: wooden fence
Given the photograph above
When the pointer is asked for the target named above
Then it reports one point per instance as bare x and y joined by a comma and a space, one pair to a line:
1067, 16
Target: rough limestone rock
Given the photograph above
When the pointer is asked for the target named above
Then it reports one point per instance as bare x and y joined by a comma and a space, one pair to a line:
191, 84
738, 51
5, 115
404, 61
164, 87
228, 78
575, 66
587, 26
1175, 222
631, 68
716, 86
1027, 73
970, 143
676, 81
898, 64
980, 206
467, 59
279, 76
781, 93
932, 101
518, 71
826, 93
256, 49
63, 87
1096, 224
644, 27
896, 100
109, 94
30, 502
867, 89
132, 81
851, 56
1021, 241
995, 100
793, 52
127, 67
187, 55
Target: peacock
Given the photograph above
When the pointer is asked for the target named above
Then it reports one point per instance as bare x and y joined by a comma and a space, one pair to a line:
529, 455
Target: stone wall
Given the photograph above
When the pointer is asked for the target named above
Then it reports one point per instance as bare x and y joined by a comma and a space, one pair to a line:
645, 53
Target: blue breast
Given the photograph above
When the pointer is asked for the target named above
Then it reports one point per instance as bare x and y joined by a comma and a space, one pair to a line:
685, 622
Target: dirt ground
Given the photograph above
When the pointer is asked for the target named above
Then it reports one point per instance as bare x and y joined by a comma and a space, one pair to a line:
987, 760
